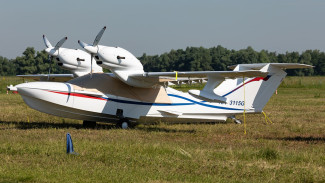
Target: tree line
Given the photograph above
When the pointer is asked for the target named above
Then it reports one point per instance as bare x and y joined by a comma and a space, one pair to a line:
218, 58
31, 62
190, 59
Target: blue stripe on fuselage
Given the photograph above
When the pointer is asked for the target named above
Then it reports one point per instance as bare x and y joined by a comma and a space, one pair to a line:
193, 102
203, 104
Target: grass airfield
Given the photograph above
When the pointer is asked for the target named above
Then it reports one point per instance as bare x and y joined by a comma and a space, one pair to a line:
291, 149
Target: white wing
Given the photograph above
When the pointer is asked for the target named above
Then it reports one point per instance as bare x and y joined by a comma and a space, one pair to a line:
162, 77
205, 74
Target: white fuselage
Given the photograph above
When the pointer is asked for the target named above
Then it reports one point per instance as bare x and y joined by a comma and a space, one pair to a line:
99, 98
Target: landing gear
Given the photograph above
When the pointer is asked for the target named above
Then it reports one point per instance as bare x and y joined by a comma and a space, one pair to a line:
237, 121
123, 122
89, 124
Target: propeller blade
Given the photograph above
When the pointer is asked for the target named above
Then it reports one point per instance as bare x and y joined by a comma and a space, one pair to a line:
60, 43
99, 36
47, 42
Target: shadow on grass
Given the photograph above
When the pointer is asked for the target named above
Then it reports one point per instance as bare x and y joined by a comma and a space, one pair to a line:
151, 127
160, 129
309, 139
44, 125
99, 126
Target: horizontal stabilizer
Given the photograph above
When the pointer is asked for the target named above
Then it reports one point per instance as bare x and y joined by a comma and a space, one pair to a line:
279, 65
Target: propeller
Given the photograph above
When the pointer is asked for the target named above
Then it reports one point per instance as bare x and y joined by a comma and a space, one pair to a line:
92, 49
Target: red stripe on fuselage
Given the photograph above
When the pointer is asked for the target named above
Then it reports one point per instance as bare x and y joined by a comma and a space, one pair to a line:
77, 95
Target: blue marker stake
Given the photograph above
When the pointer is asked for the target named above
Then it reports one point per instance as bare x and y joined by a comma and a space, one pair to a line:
70, 145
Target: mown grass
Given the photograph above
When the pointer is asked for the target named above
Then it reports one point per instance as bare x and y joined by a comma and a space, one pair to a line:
9, 80
304, 82
292, 149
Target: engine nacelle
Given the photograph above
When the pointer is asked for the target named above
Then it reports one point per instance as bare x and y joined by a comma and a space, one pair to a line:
116, 58
75, 60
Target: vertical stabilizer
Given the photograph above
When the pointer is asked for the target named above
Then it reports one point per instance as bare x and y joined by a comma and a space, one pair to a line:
255, 92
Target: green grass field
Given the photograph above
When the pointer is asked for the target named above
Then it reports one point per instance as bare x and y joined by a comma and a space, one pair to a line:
292, 149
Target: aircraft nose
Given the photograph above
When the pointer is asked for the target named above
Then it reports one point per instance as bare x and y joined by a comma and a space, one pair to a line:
42, 95
25, 89
37, 89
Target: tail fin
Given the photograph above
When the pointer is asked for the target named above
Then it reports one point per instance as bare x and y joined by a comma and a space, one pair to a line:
255, 92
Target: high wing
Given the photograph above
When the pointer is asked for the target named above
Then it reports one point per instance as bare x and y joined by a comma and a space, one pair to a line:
204, 74
161, 77
48, 77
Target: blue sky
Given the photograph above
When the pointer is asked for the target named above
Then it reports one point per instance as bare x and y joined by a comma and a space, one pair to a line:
155, 27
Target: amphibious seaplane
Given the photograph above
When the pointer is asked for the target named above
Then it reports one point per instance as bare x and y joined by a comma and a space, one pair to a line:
129, 94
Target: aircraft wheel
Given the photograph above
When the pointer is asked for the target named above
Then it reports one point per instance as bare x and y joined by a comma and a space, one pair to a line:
89, 124
123, 124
